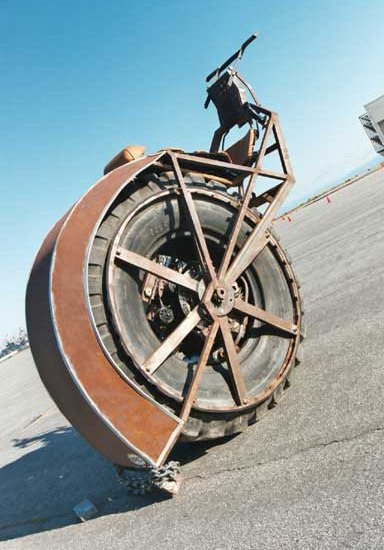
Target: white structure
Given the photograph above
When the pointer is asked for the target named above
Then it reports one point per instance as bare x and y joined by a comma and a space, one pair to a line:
373, 122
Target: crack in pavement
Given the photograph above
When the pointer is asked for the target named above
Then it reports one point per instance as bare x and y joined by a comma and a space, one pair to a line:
38, 417
286, 457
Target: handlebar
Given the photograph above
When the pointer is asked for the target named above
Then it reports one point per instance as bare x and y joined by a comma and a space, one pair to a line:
237, 55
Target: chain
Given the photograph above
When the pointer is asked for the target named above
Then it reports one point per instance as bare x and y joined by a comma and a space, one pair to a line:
140, 481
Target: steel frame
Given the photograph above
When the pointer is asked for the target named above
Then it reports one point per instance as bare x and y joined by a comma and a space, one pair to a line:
220, 282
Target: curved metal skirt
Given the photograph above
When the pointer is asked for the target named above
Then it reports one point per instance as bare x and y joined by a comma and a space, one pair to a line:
116, 418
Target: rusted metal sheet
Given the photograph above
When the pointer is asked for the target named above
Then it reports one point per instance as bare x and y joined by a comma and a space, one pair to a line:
115, 417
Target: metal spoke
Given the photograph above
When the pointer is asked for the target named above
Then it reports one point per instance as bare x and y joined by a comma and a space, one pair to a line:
245, 202
194, 386
266, 196
190, 160
237, 268
266, 317
195, 222
282, 149
172, 341
233, 362
258, 238
132, 258
254, 243
272, 175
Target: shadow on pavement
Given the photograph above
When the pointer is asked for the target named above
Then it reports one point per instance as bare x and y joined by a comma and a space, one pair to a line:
186, 452
59, 470
40, 489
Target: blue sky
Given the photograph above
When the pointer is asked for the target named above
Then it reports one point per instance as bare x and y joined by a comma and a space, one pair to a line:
82, 79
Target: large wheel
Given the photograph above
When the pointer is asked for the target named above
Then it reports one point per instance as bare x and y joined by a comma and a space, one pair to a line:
146, 285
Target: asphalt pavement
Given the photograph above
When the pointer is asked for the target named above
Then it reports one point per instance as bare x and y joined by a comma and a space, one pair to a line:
310, 475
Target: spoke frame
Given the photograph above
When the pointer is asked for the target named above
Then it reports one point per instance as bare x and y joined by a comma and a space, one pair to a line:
266, 317
163, 272
230, 268
197, 231
252, 247
198, 374
238, 381
245, 202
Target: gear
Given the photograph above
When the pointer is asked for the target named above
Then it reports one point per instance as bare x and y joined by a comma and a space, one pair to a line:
140, 481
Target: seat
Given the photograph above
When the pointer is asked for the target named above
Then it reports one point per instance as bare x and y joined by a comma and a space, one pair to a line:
129, 153
241, 152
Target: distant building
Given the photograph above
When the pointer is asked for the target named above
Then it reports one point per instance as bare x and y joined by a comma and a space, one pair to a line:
373, 123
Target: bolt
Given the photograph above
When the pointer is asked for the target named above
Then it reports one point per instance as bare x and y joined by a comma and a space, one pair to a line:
147, 292
221, 292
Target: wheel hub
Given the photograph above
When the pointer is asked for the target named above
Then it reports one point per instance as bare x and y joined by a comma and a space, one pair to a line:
223, 299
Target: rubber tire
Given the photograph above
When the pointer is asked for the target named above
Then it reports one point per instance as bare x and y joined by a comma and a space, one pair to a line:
200, 425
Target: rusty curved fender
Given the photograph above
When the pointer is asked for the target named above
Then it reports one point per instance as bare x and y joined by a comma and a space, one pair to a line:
115, 417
